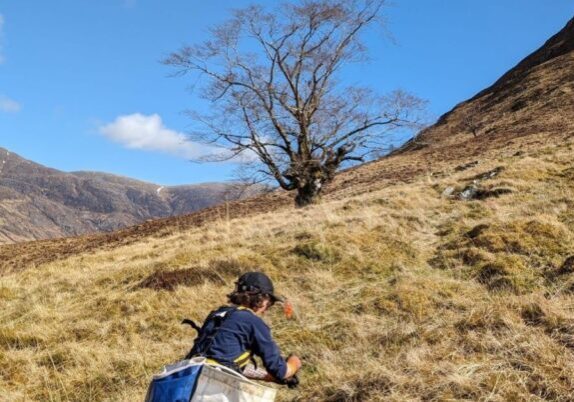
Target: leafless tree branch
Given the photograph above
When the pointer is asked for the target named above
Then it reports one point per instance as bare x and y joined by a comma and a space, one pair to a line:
271, 77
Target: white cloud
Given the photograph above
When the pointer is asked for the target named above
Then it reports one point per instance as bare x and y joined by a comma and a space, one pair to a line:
1, 38
138, 131
8, 105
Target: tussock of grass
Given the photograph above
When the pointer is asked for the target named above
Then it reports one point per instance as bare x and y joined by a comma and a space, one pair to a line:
399, 293
316, 251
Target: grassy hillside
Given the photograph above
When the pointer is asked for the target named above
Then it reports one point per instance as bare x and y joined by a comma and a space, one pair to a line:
401, 293
403, 289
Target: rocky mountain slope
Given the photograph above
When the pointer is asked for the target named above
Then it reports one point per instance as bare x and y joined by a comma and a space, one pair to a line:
37, 202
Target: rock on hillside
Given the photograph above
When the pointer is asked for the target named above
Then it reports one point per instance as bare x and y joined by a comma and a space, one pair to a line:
38, 202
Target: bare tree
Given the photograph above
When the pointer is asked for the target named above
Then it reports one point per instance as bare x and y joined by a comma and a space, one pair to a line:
471, 118
272, 78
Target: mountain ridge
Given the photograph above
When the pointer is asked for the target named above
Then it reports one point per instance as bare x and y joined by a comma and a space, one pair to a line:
558, 45
38, 202
533, 97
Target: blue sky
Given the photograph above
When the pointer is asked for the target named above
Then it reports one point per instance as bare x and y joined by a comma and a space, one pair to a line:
76, 73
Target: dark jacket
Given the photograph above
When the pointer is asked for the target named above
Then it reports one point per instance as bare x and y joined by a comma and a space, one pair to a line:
240, 335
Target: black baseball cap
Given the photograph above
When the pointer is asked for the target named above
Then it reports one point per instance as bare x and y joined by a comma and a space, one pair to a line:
257, 282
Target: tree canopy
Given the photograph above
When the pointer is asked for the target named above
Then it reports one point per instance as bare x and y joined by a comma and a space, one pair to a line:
273, 78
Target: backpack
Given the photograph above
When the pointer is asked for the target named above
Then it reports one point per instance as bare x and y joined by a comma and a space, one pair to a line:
196, 380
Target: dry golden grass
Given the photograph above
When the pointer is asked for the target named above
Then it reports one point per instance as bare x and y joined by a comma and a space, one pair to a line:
400, 294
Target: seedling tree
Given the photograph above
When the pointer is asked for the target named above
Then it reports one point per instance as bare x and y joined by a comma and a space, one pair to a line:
471, 119
277, 98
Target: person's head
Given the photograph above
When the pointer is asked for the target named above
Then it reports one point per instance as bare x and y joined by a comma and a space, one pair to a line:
254, 290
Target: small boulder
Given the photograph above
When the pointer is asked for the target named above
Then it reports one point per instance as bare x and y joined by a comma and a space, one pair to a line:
469, 193
448, 192
473, 192
488, 175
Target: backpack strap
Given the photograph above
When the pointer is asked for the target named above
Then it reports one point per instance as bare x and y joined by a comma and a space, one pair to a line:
205, 339
192, 324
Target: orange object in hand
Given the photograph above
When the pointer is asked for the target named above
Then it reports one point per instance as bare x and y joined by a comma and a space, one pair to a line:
288, 309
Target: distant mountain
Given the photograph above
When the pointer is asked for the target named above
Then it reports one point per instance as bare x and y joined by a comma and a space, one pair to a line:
37, 202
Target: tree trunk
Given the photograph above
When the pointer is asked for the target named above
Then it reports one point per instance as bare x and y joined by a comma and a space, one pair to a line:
309, 193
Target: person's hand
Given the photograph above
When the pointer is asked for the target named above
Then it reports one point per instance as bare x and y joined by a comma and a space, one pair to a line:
294, 365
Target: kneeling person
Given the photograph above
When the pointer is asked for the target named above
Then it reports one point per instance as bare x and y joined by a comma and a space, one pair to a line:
233, 334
